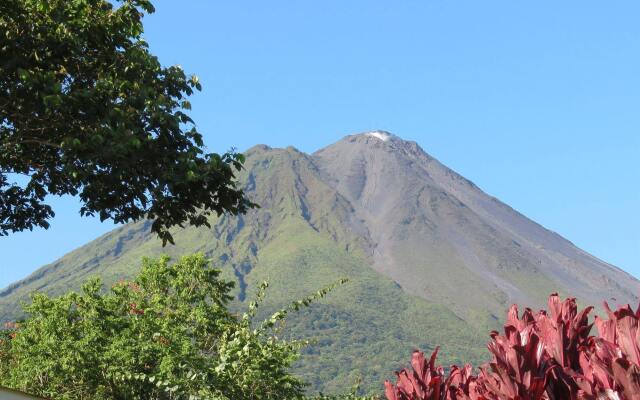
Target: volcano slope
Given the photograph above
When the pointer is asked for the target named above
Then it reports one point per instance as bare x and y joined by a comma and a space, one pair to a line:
432, 259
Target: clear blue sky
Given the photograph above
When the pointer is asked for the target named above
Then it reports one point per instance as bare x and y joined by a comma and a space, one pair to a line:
536, 102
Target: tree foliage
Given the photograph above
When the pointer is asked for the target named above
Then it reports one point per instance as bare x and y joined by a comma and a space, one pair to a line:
165, 335
541, 356
86, 109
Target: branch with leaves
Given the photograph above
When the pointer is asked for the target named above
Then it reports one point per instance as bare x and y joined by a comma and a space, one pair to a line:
86, 110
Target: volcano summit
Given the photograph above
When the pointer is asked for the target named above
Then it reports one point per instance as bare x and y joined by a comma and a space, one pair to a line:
432, 259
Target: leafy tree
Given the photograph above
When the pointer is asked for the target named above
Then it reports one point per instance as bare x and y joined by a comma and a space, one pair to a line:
86, 109
166, 335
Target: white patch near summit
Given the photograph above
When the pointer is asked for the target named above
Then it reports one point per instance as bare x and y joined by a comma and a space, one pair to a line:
384, 136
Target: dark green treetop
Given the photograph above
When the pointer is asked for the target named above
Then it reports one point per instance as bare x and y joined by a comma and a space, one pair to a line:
86, 109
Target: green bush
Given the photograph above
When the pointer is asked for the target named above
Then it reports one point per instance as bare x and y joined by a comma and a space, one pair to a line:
168, 334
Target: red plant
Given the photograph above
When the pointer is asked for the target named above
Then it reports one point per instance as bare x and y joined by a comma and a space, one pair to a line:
542, 356
425, 381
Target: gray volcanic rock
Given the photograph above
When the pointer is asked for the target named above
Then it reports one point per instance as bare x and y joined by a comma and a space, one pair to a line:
439, 236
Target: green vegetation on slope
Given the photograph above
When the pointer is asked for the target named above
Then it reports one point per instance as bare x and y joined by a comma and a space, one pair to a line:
366, 328
297, 241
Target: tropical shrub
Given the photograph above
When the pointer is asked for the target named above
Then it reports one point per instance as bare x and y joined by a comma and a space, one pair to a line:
544, 355
167, 334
